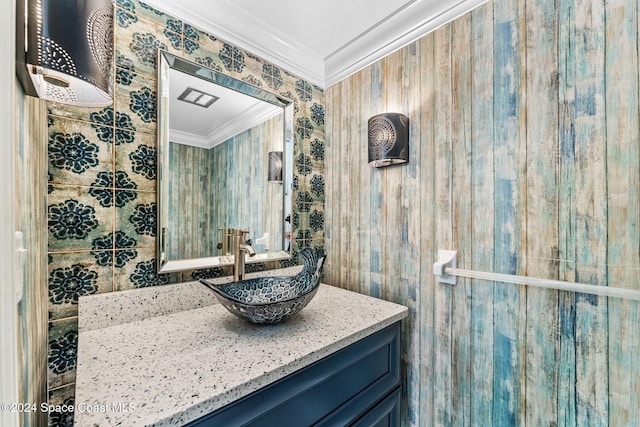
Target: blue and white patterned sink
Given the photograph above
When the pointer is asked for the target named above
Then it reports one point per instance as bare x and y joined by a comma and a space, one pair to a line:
272, 299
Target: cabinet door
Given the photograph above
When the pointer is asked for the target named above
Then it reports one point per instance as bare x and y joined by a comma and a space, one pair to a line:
331, 392
384, 414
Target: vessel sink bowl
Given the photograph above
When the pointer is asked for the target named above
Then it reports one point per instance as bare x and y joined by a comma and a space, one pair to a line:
272, 299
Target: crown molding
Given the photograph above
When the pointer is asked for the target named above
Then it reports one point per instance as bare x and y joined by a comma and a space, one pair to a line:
237, 26
246, 120
397, 30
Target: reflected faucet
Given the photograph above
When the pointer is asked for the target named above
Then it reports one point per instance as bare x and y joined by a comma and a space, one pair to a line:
240, 249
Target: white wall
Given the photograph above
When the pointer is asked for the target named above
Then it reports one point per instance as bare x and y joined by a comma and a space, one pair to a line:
8, 307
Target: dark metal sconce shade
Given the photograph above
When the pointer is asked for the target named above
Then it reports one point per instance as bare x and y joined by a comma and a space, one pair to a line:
275, 166
65, 51
388, 139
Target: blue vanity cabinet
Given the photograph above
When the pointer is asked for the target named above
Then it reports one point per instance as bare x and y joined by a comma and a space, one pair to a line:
356, 386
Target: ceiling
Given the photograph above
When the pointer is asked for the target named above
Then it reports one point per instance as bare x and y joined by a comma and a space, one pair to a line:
322, 41
231, 114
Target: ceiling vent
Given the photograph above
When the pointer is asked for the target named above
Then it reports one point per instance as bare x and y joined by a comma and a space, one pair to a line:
197, 97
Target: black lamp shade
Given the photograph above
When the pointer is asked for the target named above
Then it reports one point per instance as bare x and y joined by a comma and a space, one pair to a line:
68, 50
275, 166
388, 139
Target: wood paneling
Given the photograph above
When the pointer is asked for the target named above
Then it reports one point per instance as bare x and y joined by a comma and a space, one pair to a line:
224, 186
525, 158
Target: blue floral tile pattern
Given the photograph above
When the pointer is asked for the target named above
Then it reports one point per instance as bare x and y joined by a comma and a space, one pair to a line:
125, 77
138, 161
145, 46
71, 220
317, 114
174, 25
143, 161
317, 185
304, 90
271, 75
208, 273
189, 46
143, 103
209, 62
303, 238
63, 401
304, 127
303, 201
174, 38
124, 62
124, 18
145, 275
252, 81
62, 353
75, 218
105, 255
61, 359
144, 219
104, 126
316, 220
191, 32
232, 58
303, 164
67, 284
317, 149
73, 152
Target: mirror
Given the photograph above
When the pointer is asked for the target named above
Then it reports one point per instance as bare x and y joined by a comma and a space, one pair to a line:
225, 154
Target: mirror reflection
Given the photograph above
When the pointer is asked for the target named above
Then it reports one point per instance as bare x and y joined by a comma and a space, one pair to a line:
225, 155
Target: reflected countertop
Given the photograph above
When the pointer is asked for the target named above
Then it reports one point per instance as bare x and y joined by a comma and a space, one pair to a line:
166, 367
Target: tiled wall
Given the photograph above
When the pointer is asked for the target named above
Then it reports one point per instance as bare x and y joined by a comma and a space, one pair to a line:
102, 175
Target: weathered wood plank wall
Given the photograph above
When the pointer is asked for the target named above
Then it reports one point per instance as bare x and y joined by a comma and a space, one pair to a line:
525, 158
225, 186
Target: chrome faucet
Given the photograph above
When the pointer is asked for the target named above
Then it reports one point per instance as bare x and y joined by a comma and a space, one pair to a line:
241, 247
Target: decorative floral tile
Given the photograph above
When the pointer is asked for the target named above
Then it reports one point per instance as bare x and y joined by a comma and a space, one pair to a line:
146, 12
77, 153
304, 90
76, 274
62, 352
57, 111
137, 219
62, 397
75, 218
203, 49
138, 102
314, 184
141, 272
139, 41
317, 117
137, 161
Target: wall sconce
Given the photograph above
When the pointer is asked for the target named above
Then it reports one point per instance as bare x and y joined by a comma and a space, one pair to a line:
275, 166
65, 50
388, 139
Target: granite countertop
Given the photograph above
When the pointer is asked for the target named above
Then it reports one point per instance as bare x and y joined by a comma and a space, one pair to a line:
177, 366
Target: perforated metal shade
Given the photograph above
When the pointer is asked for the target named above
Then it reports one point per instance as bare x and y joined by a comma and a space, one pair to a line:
388, 139
67, 49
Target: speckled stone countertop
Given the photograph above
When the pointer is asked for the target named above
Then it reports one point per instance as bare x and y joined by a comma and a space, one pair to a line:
174, 368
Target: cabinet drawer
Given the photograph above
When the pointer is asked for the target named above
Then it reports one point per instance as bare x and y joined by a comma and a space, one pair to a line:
384, 414
336, 390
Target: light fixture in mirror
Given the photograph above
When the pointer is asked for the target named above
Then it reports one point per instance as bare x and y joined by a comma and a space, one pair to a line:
212, 164
275, 166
